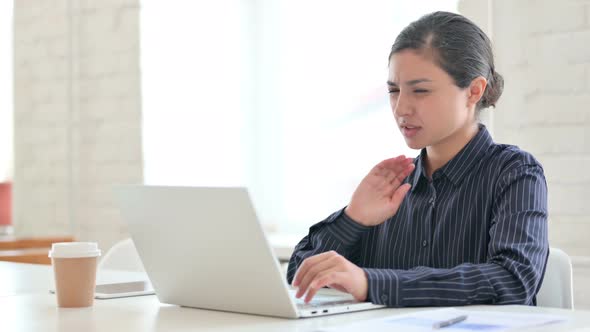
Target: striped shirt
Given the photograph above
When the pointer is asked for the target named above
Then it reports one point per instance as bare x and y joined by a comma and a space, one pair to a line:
474, 234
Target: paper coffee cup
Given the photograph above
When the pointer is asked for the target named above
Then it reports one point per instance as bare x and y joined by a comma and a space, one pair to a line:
74, 268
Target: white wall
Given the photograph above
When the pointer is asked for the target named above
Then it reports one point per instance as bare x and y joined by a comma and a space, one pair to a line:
77, 115
542, 49
6, 105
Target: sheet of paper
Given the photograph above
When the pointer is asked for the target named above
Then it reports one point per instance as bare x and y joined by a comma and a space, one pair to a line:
476, 321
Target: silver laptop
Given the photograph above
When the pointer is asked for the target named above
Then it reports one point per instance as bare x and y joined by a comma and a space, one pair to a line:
204, 248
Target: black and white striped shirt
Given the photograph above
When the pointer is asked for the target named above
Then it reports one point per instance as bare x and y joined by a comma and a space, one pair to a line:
475, 234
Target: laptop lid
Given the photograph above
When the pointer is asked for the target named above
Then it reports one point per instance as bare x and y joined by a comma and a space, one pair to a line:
204, 248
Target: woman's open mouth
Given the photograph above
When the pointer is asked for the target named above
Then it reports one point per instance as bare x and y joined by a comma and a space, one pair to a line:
409, 131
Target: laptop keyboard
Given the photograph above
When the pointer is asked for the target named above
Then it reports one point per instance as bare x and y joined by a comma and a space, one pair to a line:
322, 301
323, 304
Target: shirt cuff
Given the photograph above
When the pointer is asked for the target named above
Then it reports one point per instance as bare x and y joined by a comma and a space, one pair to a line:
345, 229
383, 287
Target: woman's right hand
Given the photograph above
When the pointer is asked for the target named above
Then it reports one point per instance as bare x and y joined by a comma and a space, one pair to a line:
379, 195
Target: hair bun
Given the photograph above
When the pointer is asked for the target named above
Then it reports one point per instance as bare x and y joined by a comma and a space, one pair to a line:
493, 90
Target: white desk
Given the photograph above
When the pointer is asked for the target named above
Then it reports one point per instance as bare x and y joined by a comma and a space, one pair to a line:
31, 311
21, 278
38, 312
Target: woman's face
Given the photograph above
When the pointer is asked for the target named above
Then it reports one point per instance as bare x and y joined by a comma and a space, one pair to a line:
427, 105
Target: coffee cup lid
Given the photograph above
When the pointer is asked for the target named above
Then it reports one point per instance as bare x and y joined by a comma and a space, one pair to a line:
74, 250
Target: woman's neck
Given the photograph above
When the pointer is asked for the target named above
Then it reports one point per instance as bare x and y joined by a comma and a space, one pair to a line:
440, 154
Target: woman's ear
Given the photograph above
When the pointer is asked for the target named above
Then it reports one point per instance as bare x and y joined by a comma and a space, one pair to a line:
476, 90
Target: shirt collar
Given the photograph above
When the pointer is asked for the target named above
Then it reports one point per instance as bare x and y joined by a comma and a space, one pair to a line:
458, 166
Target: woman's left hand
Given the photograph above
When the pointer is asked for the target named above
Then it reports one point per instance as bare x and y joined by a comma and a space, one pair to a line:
333, 270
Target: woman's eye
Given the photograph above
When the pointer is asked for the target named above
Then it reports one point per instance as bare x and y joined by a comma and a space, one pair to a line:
393, 91
420, 91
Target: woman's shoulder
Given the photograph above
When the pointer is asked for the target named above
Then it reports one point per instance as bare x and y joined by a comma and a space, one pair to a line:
506, 157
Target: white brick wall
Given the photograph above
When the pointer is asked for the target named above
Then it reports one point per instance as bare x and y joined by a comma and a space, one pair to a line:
72, 145
542, 48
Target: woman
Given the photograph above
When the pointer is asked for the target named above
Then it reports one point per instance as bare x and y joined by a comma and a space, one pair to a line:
465, 222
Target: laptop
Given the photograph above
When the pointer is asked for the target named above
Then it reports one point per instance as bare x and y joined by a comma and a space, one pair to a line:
204, 247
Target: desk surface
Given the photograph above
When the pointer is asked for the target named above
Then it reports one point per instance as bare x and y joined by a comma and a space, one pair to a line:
34, 309
38, 312
21, 278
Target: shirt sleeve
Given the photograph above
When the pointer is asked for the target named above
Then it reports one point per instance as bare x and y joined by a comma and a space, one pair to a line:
517, 255
338, 232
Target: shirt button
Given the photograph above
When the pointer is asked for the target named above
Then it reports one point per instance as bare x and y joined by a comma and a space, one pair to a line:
384, 298
424, 243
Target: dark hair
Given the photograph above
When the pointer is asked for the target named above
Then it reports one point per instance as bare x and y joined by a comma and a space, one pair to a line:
459, 47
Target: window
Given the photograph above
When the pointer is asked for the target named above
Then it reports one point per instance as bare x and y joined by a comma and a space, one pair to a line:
285, 97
